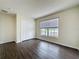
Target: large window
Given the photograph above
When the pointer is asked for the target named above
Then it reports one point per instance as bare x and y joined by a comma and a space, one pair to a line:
49, 28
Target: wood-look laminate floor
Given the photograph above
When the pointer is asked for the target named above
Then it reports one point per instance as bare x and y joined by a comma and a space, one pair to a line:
36, 49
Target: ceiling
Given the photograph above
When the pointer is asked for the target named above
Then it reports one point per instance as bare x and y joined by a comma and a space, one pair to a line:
36, 8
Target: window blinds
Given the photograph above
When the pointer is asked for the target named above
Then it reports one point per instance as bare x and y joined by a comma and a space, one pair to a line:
53, 23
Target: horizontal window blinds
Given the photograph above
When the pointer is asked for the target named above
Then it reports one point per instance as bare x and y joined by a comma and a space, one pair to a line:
53, 23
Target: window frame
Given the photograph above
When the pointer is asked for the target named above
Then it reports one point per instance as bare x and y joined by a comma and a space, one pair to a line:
51, 27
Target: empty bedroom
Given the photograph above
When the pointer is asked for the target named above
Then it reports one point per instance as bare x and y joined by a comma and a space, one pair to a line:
39, 29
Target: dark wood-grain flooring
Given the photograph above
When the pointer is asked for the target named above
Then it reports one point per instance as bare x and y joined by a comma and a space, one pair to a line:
36, 49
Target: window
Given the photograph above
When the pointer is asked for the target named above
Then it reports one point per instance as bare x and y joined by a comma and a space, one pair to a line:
49, 28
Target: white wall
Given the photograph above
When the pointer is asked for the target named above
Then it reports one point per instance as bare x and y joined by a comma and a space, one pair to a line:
25, 26
22, 29
7, 28
68, 27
